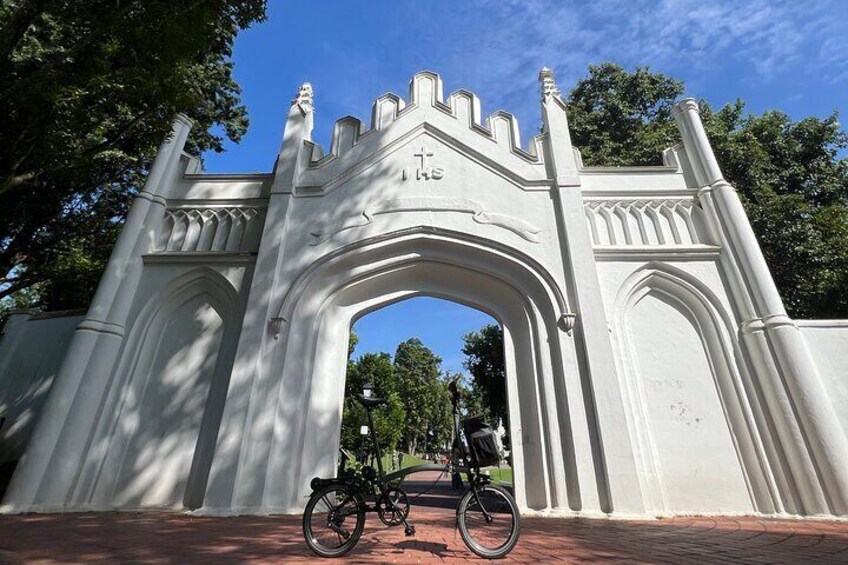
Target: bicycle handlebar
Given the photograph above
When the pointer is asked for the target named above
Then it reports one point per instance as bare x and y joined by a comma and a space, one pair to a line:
370, 402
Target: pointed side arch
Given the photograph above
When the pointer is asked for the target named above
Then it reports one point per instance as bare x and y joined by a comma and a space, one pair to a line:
174, 372
700, 377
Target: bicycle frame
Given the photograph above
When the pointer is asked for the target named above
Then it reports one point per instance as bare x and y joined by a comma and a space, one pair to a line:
392, 503
459, 456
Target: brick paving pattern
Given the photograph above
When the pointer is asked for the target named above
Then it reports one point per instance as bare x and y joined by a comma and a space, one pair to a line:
178, 538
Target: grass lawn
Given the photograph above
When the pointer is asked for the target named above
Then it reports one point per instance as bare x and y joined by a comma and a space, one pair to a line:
390, 462
502, 475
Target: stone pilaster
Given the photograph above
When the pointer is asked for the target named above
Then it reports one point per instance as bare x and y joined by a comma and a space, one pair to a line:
71, 410
797, 372
603, 395
245, 438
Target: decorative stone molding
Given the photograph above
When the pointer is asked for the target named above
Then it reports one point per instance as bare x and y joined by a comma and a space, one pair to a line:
275, 325
225, 229
566, 321
642, 222
155, 198
304, 96
769, 322
199, 258
549, 85
822, 324
479, 215
440, 237
657, 253
102, 327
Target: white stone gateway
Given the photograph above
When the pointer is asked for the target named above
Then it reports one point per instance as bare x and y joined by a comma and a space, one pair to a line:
651, 366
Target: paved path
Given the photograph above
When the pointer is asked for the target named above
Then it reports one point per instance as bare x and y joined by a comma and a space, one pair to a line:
177, 538
170, 538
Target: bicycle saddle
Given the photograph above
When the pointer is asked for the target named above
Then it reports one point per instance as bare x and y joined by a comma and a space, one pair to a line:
371, 402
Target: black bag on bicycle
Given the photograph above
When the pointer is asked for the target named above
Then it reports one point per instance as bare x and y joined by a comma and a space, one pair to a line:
482, 442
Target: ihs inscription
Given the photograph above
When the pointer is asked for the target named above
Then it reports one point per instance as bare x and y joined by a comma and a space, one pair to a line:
426, 171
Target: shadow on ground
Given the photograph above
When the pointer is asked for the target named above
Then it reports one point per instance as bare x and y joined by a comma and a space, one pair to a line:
150, 537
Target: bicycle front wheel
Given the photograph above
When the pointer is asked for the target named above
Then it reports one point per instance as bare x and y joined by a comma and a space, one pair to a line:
488, 521
333, 520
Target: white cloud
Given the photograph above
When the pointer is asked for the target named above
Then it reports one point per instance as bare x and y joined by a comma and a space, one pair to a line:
499, 45
496, 48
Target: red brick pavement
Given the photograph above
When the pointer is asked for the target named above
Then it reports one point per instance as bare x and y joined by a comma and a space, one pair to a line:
177, 538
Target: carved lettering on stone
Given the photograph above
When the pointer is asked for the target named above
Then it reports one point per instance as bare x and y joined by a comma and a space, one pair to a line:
426, 171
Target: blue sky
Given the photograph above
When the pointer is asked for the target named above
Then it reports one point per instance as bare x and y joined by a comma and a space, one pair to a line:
790, 55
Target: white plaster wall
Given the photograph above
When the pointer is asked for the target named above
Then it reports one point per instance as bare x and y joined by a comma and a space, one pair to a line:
694, 455
32, 349
159, 274
688, 408
352, 211
827, 340
163, 408
154, 441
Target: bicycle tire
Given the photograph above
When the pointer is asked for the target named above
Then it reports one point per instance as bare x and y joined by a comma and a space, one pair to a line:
334, 498
503, 510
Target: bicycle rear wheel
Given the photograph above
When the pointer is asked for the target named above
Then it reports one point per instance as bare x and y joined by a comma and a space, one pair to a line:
488, 521
333, 520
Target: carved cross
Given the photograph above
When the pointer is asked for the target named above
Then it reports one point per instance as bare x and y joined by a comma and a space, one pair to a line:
423, 154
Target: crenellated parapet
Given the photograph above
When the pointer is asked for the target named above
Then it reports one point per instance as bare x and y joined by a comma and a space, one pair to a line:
346, 134
426, 96
385, 110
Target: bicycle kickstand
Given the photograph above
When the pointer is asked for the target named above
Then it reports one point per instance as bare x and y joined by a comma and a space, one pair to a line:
408, 528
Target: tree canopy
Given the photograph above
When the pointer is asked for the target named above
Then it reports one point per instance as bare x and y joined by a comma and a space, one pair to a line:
424, 394
376, 369
87, 93
484, 359
418, 417
792, 181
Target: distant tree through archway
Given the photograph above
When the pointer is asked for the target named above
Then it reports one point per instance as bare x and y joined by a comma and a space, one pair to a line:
446, 340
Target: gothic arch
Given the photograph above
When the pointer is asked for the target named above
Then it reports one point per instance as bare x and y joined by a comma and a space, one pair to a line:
714, 328
216, 301
519, 261
368, 275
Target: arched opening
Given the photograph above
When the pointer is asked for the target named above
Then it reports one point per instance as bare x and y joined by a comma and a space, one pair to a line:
409, 351
297, 416
430, 278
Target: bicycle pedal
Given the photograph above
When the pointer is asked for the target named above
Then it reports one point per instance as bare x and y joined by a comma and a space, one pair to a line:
409, 530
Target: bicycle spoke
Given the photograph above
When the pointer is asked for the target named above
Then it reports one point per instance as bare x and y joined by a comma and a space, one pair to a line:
332, 526
329, 504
